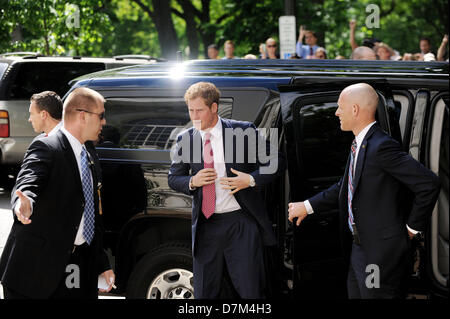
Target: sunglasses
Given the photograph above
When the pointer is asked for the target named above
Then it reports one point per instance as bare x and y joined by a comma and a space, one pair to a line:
101, 116
272, 46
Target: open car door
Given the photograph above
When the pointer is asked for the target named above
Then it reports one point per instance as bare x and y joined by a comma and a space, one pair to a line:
317, 152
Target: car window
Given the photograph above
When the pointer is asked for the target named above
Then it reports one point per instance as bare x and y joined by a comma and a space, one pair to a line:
324, 148
35, 77
149, 123
3, 67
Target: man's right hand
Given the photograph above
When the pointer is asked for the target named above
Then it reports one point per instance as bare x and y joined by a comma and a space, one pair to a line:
352, 24
297, 210
23, 208
203, 177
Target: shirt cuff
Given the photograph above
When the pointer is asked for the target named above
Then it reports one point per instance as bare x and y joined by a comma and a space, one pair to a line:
415, 232
191, 188
308, 207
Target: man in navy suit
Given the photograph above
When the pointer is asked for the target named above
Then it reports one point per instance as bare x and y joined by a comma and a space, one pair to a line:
230, 225
374, 198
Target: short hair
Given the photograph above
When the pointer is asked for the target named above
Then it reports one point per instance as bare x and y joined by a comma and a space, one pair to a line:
83, 98
425, 39
229, 42
213, 46
49, 101
312, 32
206, 90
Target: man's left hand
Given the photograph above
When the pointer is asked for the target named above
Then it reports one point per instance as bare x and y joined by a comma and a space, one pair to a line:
411, 235
235, 184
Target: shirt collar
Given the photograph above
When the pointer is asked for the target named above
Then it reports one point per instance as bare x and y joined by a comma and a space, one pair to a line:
362, 134
74, 142
216, 131
55, 129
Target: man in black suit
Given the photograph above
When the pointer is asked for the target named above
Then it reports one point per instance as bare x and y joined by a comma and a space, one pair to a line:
54, 249
374, 197
45, 112
230, 225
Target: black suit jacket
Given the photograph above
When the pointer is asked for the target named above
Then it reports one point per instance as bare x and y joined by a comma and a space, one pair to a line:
35, 256
386, 181
250, 199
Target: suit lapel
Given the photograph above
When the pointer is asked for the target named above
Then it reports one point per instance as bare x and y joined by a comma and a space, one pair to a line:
225, 124
362, 157
70, 156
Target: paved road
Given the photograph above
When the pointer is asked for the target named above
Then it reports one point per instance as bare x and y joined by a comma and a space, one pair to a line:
6, 221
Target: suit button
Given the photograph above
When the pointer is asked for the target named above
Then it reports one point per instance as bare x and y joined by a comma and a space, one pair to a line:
76, 227
82, 205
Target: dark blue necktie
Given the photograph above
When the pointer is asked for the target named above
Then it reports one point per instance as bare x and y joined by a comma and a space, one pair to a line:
89, 213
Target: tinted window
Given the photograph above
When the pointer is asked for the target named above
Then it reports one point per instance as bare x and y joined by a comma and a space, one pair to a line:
324, 148
35, 77
149, 123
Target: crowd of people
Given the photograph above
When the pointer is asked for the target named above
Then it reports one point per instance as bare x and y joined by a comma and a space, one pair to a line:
307, 48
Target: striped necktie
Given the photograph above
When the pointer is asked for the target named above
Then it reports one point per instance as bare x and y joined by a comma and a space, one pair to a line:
209, 191
89, 212
351, 174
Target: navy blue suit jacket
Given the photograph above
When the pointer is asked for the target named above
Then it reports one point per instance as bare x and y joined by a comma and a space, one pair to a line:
250, 199
387, 180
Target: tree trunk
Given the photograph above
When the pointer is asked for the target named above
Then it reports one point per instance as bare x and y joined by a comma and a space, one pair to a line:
166, 31
191, 27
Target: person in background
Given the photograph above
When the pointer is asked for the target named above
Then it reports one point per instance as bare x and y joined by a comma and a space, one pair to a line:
442, 48
213, 52
228, 48
270, 51
306, 51
363, 53
383, 51
321, 53
45, 112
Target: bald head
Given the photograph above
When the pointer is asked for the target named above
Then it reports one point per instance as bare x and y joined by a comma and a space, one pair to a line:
81, 98
363, 53
357, 106
364, 95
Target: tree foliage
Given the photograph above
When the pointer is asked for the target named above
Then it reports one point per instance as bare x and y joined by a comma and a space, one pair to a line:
161, 27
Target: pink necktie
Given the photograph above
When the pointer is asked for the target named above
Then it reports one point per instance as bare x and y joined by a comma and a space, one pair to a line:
209, 191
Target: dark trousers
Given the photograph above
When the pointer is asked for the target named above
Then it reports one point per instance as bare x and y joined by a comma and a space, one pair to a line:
230, 241
357, 276
83, 286
78, 282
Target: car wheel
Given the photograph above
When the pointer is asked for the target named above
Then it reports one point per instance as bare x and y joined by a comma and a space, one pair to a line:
163, 273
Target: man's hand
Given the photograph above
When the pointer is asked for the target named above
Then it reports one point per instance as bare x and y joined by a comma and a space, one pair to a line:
301, 33
411, 235
298, 210
352, 24
203, 177
110, 278
23, 208
235, 184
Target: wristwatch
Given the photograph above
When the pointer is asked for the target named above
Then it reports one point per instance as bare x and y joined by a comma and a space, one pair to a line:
252, 181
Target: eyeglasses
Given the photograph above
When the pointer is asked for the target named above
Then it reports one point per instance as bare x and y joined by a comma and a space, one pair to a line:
101, 116
272, 46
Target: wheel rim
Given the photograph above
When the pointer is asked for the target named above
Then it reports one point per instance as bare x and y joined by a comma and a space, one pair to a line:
172, 284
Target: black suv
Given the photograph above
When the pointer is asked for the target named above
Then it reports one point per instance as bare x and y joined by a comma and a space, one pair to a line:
24, 73
148, 225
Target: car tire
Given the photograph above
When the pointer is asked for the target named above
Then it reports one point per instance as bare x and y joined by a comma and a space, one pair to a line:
163, 273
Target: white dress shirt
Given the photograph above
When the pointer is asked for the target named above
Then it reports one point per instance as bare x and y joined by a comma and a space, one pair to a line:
76, 147
359, 139
225, 201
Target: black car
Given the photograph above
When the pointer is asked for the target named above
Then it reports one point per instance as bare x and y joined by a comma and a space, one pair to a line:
148, 225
